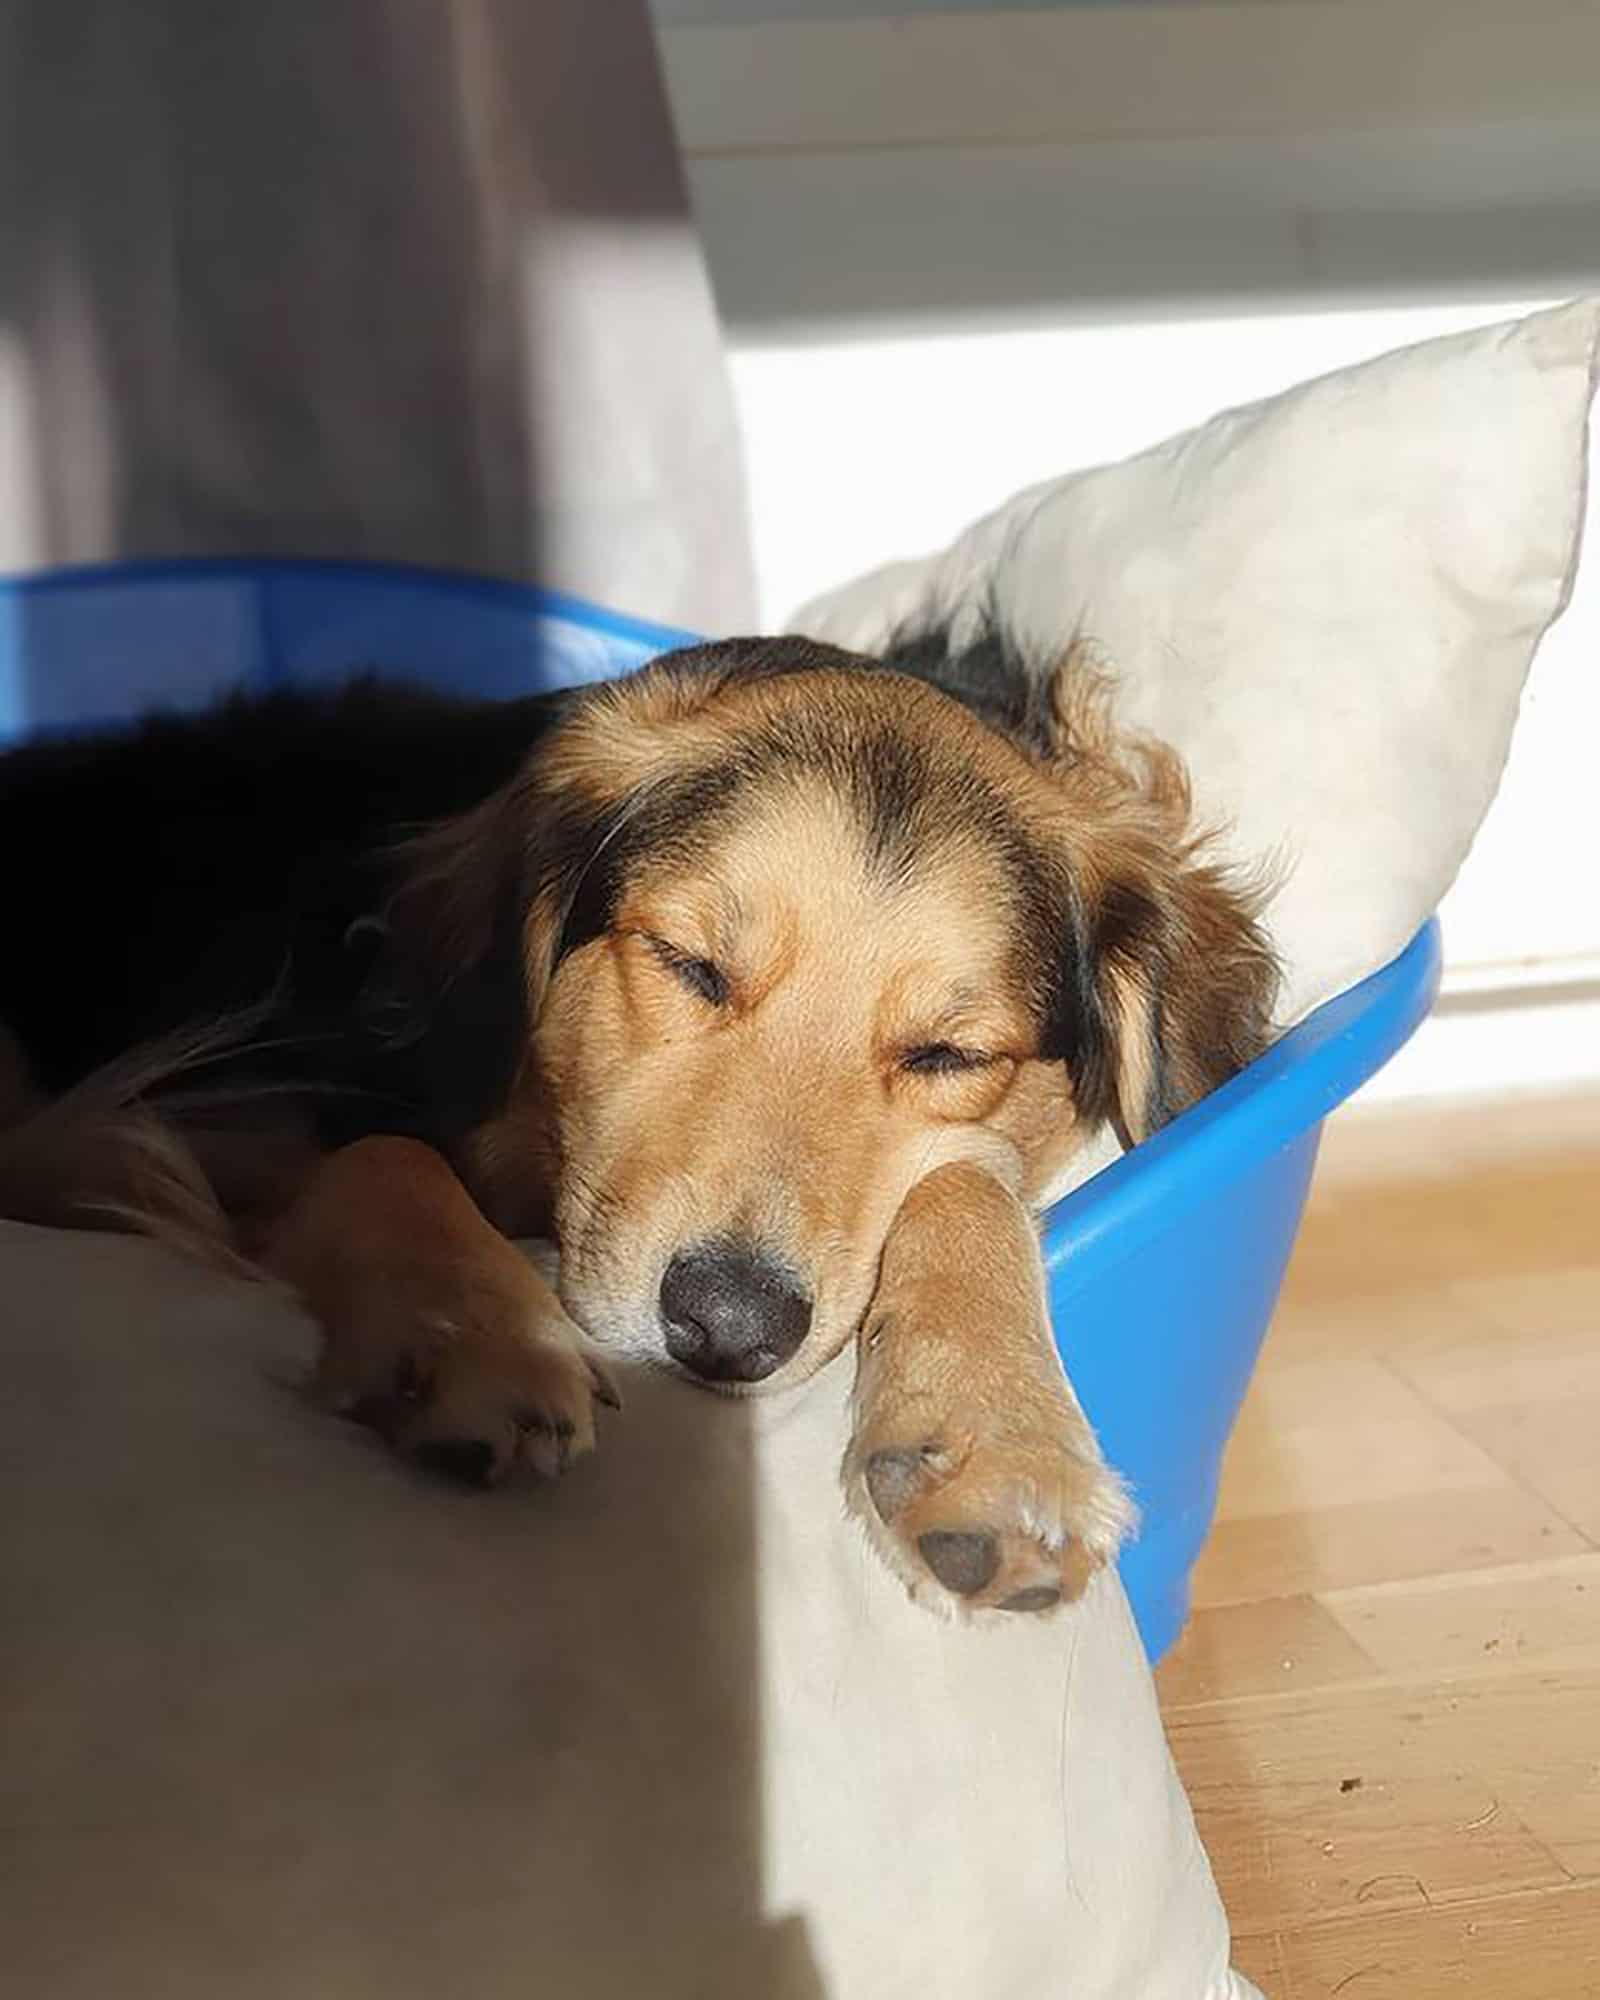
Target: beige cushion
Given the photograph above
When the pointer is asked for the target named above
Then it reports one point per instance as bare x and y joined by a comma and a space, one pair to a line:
282, 1719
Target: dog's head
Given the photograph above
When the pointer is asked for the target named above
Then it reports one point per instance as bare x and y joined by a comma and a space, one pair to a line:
761, 936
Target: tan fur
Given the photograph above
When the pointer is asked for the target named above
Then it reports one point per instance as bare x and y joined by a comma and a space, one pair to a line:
435, 1328
965, 1425
1128, 814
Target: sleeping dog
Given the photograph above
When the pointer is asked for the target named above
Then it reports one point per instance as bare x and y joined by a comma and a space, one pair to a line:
776, 985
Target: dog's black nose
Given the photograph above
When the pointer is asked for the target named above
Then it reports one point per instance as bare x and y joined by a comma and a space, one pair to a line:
732, 1313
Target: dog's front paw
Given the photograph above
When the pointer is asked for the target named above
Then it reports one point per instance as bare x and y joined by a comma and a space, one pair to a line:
468, 1393
1007, 1507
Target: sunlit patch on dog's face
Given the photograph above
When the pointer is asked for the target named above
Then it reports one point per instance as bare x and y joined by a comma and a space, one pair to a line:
786, 1022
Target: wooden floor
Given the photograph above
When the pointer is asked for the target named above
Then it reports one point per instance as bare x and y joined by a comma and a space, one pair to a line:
1387, 1705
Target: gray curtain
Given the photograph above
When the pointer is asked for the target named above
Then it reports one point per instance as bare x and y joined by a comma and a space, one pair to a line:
412, 280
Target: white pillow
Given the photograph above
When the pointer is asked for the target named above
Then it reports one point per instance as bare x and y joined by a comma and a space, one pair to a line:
281, 1718
1328, 602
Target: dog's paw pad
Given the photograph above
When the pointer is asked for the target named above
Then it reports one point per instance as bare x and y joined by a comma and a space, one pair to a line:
963, 1563
988, 1524
1037, 1597
895, 1477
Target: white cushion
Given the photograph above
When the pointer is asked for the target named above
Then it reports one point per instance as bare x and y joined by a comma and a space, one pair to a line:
1328, 601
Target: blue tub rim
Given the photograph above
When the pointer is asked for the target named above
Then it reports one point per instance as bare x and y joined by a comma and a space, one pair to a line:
535, 599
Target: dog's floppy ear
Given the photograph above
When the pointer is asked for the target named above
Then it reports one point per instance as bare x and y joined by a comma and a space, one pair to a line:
1181, 984
1166, 980
458, 959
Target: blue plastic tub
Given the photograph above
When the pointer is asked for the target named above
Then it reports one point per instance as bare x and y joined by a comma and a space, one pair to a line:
94, 645
1164, 1270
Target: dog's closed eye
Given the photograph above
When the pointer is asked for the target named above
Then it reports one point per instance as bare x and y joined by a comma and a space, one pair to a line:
701, 975
942, 1059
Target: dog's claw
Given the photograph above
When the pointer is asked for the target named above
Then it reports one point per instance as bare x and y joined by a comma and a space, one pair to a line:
604, 1385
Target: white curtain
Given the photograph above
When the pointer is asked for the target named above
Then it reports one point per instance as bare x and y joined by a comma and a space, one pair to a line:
412, 280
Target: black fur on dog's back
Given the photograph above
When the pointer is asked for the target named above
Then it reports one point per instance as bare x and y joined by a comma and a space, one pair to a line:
988, 672
182, 870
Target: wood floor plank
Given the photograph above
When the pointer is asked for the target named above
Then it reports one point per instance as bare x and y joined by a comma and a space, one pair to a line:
1476, 1140
1378, 1541
1524, 1614
1260, 1959
1554, 1315
1534, 1739
1529, 1393
1539, 1946
1291, 1642
1552, 1448
1273, 1469
1319, 1317
1324, 1805
1387, 1705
